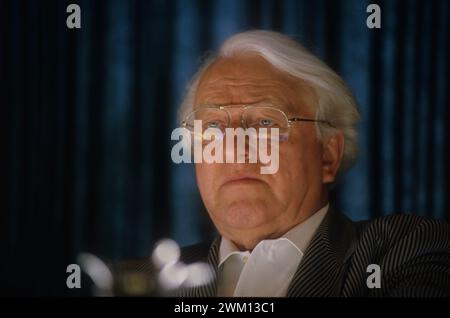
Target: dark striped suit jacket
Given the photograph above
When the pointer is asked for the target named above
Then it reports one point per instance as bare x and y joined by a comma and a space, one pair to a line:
413, 254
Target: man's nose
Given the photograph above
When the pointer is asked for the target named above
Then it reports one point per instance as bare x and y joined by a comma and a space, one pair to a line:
236, 118
249, 146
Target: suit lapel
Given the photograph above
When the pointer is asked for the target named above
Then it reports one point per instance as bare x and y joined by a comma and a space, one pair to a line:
208, 290
321, 270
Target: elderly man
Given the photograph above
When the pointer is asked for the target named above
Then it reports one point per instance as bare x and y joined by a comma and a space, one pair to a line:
279, 234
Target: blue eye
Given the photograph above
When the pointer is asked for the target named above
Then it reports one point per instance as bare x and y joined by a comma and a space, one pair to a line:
265, 123
213, 124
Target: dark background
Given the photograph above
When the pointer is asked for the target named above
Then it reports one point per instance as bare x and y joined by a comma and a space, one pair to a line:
87, 117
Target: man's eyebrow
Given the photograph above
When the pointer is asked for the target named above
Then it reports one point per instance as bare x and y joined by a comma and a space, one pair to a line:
286, 108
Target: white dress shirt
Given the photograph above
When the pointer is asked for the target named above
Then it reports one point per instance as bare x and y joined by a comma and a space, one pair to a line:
268, 269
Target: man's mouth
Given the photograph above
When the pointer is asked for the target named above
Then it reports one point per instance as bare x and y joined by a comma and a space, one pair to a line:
242, 179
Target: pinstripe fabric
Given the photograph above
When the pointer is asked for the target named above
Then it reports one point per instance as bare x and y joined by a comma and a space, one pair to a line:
412, 252
321, 270
209, 290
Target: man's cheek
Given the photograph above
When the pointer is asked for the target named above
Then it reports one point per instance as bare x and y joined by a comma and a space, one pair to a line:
206, 177
288, 159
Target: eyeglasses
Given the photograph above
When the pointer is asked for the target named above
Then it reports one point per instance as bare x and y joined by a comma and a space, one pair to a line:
251, 117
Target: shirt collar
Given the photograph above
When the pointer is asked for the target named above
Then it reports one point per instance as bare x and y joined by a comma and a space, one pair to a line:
299, 236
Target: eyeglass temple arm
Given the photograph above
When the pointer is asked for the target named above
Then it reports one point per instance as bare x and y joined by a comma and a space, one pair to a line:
297, 119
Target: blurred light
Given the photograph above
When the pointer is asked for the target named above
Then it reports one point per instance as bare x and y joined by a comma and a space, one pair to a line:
166, 252
173, 275
198, 274
98, 272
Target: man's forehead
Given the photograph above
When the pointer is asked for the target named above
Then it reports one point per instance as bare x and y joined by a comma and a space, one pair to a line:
250, 79
221, 97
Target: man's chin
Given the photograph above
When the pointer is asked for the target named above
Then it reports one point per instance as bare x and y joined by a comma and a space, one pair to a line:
244, 216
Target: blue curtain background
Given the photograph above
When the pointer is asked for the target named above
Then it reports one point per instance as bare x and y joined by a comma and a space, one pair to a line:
88, 115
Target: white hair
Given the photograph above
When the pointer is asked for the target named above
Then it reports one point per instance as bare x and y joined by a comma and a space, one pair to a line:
335, 103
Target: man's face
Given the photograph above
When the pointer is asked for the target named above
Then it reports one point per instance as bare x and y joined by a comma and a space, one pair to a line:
245, 205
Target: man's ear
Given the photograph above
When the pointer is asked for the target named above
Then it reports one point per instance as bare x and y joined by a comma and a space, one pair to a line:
333, 150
